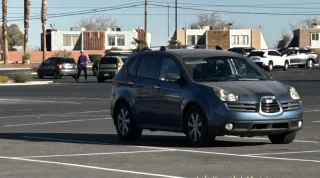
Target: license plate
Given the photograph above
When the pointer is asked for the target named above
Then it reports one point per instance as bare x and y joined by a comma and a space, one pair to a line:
67, 67
106, 74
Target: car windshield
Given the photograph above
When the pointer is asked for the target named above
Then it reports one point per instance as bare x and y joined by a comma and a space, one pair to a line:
224, 69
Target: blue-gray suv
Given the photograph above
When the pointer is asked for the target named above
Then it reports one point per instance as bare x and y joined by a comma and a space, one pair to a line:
202, 93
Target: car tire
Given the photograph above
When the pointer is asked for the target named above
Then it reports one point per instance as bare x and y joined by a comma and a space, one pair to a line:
284, 138
94, 71
270, 67
286, 66
100, 80
56, 75
196, 128
40, 75
124, 122
310, 64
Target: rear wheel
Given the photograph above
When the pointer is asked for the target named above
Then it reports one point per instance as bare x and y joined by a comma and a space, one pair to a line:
94, 71
56, 75
284, 138
196, 127
286, 66
270, 66
100, 79
124, 122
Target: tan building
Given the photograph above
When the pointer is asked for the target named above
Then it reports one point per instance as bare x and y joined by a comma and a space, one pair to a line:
306, 37
224, 38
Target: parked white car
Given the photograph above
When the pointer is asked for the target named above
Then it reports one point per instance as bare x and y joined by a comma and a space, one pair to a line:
269, 59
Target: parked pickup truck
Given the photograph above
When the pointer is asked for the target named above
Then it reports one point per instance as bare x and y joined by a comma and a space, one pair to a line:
301, 57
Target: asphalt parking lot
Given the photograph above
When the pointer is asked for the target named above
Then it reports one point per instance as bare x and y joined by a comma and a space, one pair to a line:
64, 130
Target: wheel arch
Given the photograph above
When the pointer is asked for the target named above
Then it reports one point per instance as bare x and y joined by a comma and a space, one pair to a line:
187, 106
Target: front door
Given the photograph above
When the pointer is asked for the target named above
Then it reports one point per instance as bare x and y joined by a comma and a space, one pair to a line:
168, 94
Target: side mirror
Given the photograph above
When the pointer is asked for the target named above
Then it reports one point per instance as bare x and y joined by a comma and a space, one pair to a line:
270, 75
172, 77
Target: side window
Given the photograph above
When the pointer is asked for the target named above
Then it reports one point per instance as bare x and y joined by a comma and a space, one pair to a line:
48, 61
148, 66
168, 66
132, 65
54, 61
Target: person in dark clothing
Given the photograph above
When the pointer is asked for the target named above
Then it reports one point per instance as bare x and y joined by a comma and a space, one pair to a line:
82, 65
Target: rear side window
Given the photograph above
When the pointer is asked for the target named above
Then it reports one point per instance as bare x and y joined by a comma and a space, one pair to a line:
132, 65
108, 60
149, 66
256, 53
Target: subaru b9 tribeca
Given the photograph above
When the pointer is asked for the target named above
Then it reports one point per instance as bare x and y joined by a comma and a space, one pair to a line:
203, 94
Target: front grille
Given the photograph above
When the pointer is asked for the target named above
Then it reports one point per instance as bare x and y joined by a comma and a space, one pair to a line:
270, 106
290, 106
242, 107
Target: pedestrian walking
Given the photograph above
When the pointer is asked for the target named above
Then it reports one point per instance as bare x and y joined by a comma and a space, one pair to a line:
82, 65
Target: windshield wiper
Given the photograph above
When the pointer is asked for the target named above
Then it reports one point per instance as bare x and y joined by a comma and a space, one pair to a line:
236, 77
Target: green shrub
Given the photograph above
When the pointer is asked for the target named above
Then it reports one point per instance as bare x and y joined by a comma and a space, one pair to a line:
62, 53
94, 57
34, 68
4, 79
22, 77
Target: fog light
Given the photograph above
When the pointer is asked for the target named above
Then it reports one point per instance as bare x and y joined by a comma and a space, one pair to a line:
299, 123
229, 126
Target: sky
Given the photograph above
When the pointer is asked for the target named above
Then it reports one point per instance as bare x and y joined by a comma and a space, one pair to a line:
133, 17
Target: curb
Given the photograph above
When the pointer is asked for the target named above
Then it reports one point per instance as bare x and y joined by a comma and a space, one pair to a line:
28, 83
15, 68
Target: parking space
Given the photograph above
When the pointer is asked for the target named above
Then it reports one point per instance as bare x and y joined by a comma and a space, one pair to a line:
65, 130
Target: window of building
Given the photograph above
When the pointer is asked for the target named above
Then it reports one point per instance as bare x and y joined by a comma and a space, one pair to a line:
71, 40
244, 39
315, 36
191, 40
111, 40
235, 39
120, 41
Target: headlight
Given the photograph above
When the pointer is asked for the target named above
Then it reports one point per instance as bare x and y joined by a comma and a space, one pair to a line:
294, 94
225, 95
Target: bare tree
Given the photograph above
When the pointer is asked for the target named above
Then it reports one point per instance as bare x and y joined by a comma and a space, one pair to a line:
44, 21
306, 23
285, 39
212, 19
97, 23
4, 31
27, 4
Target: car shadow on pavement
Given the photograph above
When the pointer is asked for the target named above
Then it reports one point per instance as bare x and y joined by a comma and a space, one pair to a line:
113, 139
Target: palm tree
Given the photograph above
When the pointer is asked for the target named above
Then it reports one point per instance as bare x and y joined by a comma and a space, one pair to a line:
43, 21
27, 4
4, 30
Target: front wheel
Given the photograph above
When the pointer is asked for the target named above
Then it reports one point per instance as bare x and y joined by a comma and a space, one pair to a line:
270, 67
286, 66
124, 122
40, 75
284, 138
196, 127
100, 79
94, 71
310, 63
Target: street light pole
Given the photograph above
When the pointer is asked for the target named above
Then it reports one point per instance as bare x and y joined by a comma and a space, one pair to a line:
176, 20
229, 26
168, 22
146, 22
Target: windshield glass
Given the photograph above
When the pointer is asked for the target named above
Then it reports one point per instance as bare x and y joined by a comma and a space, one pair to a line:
224, 69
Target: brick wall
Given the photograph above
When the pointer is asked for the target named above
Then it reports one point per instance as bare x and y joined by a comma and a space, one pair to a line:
218, 37
36, 56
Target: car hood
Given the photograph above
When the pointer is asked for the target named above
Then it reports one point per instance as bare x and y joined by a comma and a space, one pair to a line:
253, 90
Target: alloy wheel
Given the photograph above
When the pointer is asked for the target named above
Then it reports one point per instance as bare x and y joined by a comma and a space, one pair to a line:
123, 121
195, 127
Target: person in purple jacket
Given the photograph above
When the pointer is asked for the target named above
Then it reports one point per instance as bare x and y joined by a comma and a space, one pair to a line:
82, 65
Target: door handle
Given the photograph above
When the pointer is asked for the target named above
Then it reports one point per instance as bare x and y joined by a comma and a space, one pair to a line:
156, 87
130, 83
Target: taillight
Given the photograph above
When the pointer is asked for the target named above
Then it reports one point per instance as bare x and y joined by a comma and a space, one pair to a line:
118, 63
59, 65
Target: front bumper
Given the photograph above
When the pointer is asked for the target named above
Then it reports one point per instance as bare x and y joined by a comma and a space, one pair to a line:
256, 127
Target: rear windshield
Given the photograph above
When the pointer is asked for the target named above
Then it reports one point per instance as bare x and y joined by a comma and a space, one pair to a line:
108, 60
68, 60
256, 53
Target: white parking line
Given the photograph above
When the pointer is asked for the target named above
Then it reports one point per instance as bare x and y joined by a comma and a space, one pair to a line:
282, 153
92, 167
312, 110
315, 121
61, 114
257, 138
190, 151
40, 101
17, 110
56, 122
93, 154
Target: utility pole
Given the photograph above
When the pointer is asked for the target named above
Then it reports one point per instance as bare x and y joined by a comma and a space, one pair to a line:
176, 20
146, 22
168, 22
